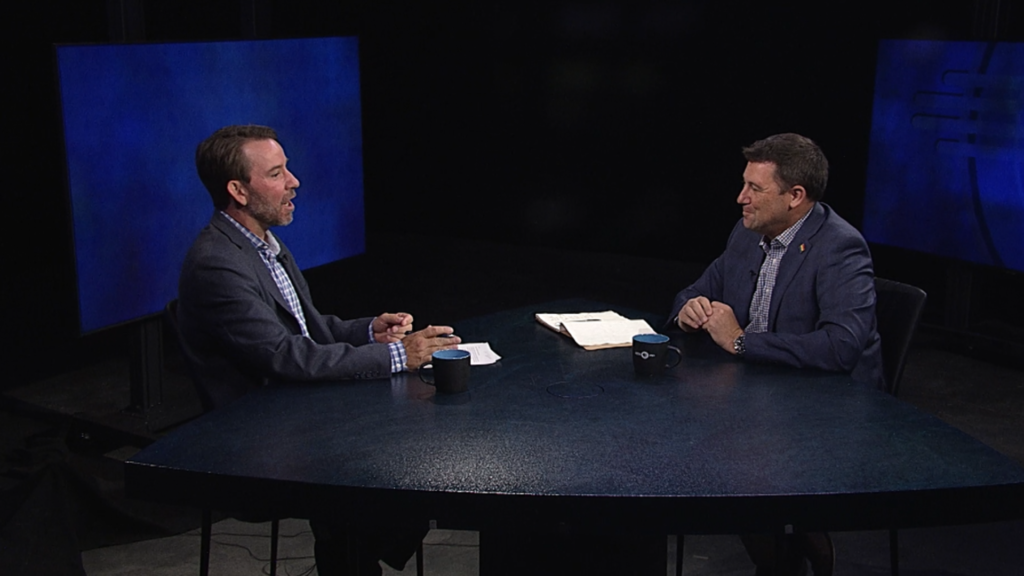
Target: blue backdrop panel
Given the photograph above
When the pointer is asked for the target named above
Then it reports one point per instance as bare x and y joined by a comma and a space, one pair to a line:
945, 170
133, 116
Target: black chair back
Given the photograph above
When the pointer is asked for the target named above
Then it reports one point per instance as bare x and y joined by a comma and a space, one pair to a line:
171, 317
898, 309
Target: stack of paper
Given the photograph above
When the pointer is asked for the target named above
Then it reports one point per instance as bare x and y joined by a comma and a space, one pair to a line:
480, 353
596, 330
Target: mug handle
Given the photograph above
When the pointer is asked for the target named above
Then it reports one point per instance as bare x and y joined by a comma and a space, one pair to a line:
422, 373
679, 357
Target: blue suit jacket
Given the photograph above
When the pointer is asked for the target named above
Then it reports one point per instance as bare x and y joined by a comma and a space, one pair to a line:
822, 312
238, 332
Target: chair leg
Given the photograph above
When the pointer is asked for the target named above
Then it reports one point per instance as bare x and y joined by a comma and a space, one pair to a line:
894, 552
275, 529
419, 560
204, 543
679, 555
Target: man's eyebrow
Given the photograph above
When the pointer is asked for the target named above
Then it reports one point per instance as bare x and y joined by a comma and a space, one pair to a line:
277, 166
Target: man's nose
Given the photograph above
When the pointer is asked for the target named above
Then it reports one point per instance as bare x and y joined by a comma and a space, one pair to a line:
295, 181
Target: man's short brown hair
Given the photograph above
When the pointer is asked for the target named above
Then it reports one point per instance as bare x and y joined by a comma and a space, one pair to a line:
798, 162
220, 159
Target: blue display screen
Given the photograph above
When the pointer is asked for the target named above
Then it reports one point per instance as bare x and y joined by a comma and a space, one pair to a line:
947, 143
133, 116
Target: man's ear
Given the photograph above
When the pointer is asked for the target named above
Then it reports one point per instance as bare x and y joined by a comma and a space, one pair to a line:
238, 192
797, 196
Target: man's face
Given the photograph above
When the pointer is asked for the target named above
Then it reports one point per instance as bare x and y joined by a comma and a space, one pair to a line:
271, 186
766, 208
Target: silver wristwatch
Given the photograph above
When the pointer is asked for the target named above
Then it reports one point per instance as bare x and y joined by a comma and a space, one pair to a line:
739, 345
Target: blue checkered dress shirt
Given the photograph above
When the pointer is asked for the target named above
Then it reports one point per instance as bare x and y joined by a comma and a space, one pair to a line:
269, 251
774, 251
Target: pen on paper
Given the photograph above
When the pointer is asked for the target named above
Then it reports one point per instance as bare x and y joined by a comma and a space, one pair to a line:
581, 320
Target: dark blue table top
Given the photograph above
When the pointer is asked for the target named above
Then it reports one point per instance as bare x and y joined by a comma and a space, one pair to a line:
556, 433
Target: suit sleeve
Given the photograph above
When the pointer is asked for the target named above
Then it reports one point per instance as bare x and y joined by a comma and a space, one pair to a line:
355, 332
711, 283
237, 319
843, 289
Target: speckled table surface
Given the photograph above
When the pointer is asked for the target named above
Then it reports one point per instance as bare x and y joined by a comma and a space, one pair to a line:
553, 433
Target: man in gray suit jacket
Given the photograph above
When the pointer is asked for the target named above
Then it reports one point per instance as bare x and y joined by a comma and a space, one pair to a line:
245, 310
246, 317
794, 286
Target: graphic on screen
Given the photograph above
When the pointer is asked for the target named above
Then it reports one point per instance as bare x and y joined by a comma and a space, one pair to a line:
133, 116
947, 142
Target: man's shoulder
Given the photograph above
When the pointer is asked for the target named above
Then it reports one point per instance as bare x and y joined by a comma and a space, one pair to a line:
216, 235
835, 226
214, 248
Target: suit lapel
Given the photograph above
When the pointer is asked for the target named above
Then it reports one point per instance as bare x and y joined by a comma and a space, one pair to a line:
314, 324
252, 256
794, 258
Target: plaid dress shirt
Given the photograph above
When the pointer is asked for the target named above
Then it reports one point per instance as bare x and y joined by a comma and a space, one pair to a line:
269, 251
774, 250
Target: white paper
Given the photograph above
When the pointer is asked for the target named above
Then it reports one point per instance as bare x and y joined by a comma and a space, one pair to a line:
480, 353
616, 333
555, 321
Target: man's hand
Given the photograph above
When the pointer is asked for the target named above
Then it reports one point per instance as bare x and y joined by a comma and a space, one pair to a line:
390, 327
420, 345
721, 324
694, 314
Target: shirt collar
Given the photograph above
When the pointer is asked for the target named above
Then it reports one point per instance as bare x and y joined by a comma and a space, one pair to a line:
788, 234
270, 245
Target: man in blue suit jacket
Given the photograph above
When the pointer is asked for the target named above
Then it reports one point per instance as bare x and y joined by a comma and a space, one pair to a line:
246, 316
795, 286
810, 270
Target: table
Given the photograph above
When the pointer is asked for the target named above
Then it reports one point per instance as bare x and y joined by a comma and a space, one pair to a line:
556, 433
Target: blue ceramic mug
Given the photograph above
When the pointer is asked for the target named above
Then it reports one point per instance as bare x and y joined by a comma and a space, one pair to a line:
652, 354
448, 371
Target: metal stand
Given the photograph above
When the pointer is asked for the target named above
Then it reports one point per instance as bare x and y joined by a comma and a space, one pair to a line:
147, 367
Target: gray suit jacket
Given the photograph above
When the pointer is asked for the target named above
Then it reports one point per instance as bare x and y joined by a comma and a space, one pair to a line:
822, 312
238, 332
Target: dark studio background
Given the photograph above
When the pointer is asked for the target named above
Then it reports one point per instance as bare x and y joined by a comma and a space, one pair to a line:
584, 132
515, 153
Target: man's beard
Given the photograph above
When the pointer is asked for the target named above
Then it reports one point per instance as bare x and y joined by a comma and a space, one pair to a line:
267, 213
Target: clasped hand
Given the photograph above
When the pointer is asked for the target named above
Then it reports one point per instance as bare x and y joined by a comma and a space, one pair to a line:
715, 318
419, 345
388, 327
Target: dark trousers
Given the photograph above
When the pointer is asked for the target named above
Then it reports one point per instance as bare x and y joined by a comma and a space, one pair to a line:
348, 550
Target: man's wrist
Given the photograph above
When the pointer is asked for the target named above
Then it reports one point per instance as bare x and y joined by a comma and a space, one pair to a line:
369, 332
739, 344
396, 350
